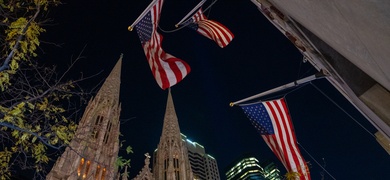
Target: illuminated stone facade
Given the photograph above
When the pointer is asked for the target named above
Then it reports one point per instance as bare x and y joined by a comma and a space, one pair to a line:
171, 159
93, 151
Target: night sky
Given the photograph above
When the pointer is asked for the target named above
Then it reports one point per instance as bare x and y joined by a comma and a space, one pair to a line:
259, 58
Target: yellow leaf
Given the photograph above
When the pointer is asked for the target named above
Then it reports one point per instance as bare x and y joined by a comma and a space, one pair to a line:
21, 105
15, 112
30, 105
34, 139
25, 136
47, 135
8, 118
37, 128
15, 133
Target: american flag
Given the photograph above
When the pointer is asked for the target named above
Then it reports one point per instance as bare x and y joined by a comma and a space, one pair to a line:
167, 69
273, 122
211, 29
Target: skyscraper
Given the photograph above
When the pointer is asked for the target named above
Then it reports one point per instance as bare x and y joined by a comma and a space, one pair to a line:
203, 165
270, 171
249, 168
93, 151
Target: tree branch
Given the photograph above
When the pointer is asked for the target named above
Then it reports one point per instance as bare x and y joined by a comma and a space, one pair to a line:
20, 37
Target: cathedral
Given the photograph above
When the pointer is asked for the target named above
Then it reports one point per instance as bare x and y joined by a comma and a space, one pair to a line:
93, 152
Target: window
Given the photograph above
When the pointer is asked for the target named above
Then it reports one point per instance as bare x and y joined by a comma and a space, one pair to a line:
176, 167
97, 172
98, 122
81, 167
107, 134
103, 174
87, 169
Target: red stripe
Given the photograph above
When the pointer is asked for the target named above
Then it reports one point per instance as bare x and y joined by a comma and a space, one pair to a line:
272, 144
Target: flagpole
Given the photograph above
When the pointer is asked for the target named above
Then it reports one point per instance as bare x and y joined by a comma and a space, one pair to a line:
192, 11
212, 3
130, 28
318, 75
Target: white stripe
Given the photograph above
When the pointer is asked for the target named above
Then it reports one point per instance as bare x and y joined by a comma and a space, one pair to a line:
182, 68
221, 31
281, 136
170, 74
217, 32
288, 134
278, 137
271, 143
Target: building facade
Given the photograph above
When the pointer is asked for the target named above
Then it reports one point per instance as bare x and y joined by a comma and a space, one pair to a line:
250, 169
203, 165
93, 152
347, 40
270, 171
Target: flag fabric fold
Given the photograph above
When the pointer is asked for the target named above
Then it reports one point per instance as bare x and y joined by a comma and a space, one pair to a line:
210, 29
166, 69
273, 122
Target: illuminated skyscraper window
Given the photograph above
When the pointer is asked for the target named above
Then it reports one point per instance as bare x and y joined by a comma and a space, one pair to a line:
250, 169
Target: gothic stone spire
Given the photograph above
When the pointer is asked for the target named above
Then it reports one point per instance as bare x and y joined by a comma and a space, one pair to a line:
93, 151
171, 127
171, 160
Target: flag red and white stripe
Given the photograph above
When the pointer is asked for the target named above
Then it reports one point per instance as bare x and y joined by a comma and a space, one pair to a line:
167, 69
211, 29
272, 120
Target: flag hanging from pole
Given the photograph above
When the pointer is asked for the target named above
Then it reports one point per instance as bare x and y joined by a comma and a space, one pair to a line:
166, 69
273, 122
210, 29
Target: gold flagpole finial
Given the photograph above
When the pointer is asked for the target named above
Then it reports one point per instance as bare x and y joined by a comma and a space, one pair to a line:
231, 104
130, 28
